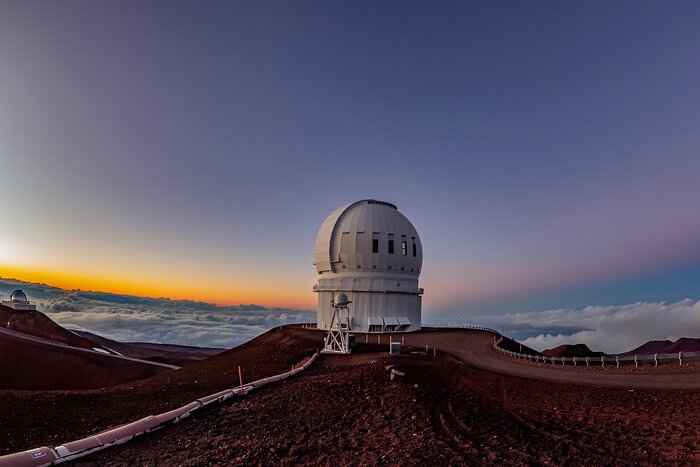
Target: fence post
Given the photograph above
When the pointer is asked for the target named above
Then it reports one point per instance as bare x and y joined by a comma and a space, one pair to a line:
587, 361
574, 361
680, 358
617, 361
240, 376
636, 363
602, 361
656, 359
562, 361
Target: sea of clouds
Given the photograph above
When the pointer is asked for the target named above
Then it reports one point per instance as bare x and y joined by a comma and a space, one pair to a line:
128, 318
611, 329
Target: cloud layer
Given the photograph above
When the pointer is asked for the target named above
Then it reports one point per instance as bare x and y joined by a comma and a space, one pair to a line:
128, 318
612, 329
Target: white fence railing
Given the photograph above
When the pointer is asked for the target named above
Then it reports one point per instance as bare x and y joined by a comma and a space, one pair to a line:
444, 326
617, 360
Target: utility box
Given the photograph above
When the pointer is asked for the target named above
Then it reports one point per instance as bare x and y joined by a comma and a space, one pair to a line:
395, 348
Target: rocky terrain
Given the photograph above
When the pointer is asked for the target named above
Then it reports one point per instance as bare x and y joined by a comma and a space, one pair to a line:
347, 411
456, 403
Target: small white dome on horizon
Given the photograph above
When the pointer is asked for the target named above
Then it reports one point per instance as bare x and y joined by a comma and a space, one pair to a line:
18, 297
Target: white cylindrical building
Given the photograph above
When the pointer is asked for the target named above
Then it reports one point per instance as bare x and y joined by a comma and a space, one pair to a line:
372, 253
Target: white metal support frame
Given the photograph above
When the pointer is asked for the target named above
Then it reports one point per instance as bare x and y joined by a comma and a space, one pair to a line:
338, 337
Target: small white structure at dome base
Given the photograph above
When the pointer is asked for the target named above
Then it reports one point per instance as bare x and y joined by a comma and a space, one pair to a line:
338, 337
370, 252
18, 301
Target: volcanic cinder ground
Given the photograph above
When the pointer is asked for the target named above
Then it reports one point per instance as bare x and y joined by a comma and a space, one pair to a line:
464, 405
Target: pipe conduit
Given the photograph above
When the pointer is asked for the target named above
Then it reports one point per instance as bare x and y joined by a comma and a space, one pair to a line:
48, 455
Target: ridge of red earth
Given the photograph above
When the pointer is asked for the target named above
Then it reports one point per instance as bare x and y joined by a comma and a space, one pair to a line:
437, 410
468, 405
37, 324
684, 344
39, 354
38, 418
572, 350
32, 366
180, 355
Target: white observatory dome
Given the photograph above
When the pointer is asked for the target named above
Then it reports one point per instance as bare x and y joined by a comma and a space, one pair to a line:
372, 253
18, 297
368, 236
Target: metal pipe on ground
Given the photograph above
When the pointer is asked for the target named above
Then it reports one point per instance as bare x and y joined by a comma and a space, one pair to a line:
46, 456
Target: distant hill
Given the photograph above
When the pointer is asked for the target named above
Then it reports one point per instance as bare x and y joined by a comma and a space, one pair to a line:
684, 344
36, 355
179, 355
38, 324
572, 350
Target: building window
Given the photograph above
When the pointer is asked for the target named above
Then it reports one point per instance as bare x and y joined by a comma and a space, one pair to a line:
391, 247
375, 328
403, 248
414, 250
375, 245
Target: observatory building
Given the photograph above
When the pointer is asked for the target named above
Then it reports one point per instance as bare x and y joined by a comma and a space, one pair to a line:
18, 301
370, 252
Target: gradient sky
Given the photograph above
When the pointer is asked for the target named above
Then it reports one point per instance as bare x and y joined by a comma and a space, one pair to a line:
547, 152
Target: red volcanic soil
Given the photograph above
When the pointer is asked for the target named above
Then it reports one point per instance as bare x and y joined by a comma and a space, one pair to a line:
38, 324
345, 410
38, 365
684, 344
38, 418
569, 350
35, 365
40, 359
179, 355
649, 348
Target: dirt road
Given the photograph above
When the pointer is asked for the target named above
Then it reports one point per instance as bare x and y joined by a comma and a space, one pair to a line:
475, 348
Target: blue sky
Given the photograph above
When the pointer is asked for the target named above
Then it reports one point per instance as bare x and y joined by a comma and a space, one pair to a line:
546, 152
